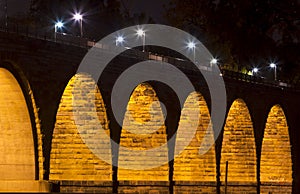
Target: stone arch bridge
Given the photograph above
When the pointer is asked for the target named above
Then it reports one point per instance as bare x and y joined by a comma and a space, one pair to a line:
41, 149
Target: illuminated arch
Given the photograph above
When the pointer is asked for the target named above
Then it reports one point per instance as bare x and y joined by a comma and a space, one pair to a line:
70, 158
143, 129
17, 161
190, 165
238, 145
276, 162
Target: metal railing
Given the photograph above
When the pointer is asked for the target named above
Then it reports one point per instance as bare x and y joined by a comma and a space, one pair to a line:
68, 39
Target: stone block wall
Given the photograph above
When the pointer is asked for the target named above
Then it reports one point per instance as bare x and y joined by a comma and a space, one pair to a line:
17, 161
238, 145
190, 164
276, 161
143, 133
75, 134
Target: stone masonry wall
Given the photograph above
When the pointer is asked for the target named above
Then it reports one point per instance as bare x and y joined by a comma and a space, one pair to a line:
17, 161
71, 158
276, 161
238, 145
143, 129
190, 164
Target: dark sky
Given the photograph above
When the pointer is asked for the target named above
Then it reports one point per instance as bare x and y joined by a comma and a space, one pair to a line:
153, 8
15, 6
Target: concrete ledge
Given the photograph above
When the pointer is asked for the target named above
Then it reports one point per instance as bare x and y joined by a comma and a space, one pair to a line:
24, 186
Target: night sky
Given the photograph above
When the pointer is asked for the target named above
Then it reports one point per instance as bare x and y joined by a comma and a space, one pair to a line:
153, 8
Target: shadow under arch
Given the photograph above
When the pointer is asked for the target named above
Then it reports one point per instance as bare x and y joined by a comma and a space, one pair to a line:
71, 158
18, 97
276, 160
190, 165
238, 148
143, 129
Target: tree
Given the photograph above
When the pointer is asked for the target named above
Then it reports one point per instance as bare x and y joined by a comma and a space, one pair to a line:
245, 31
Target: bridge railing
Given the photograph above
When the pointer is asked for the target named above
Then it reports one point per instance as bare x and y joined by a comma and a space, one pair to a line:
45, 34
67, 39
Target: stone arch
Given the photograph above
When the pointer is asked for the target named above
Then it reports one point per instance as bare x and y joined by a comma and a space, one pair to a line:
190, 165
276, 161
18, 159
238, 145
143, 129
71, 158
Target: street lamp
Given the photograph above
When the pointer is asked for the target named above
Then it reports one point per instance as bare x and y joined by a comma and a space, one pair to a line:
273, 65
141, 33
120, 40
192, 45
213, 61
254, 70
79, 17
57, 25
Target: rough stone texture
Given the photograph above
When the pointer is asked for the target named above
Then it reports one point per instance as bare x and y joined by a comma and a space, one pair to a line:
240, 188
143, 130
276, 162
17, 161
182, 187
238, 146
71, 157
85, 186
190, 165
143, 187
275, 188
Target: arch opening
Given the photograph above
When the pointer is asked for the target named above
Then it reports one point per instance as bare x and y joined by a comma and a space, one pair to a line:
143, 129
71, 158
276, 161
190, 165
17, 161
238, 145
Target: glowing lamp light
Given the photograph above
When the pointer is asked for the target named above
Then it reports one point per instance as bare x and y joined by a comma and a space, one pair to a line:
272, 65
120, 39
214, 61
77, 16
255, 70
140, 32
191, 45
59, 25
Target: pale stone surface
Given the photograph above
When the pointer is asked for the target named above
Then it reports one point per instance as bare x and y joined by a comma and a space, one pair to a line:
143, 129
24, 186
276, 161
16, 139
190, 165
238, 146
71, 158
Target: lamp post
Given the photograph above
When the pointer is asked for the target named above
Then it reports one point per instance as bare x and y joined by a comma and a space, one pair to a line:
192, 45
213, 61
119, 40
273, 65
6, 15
254, 70
141, 33
56, 26
78, 17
